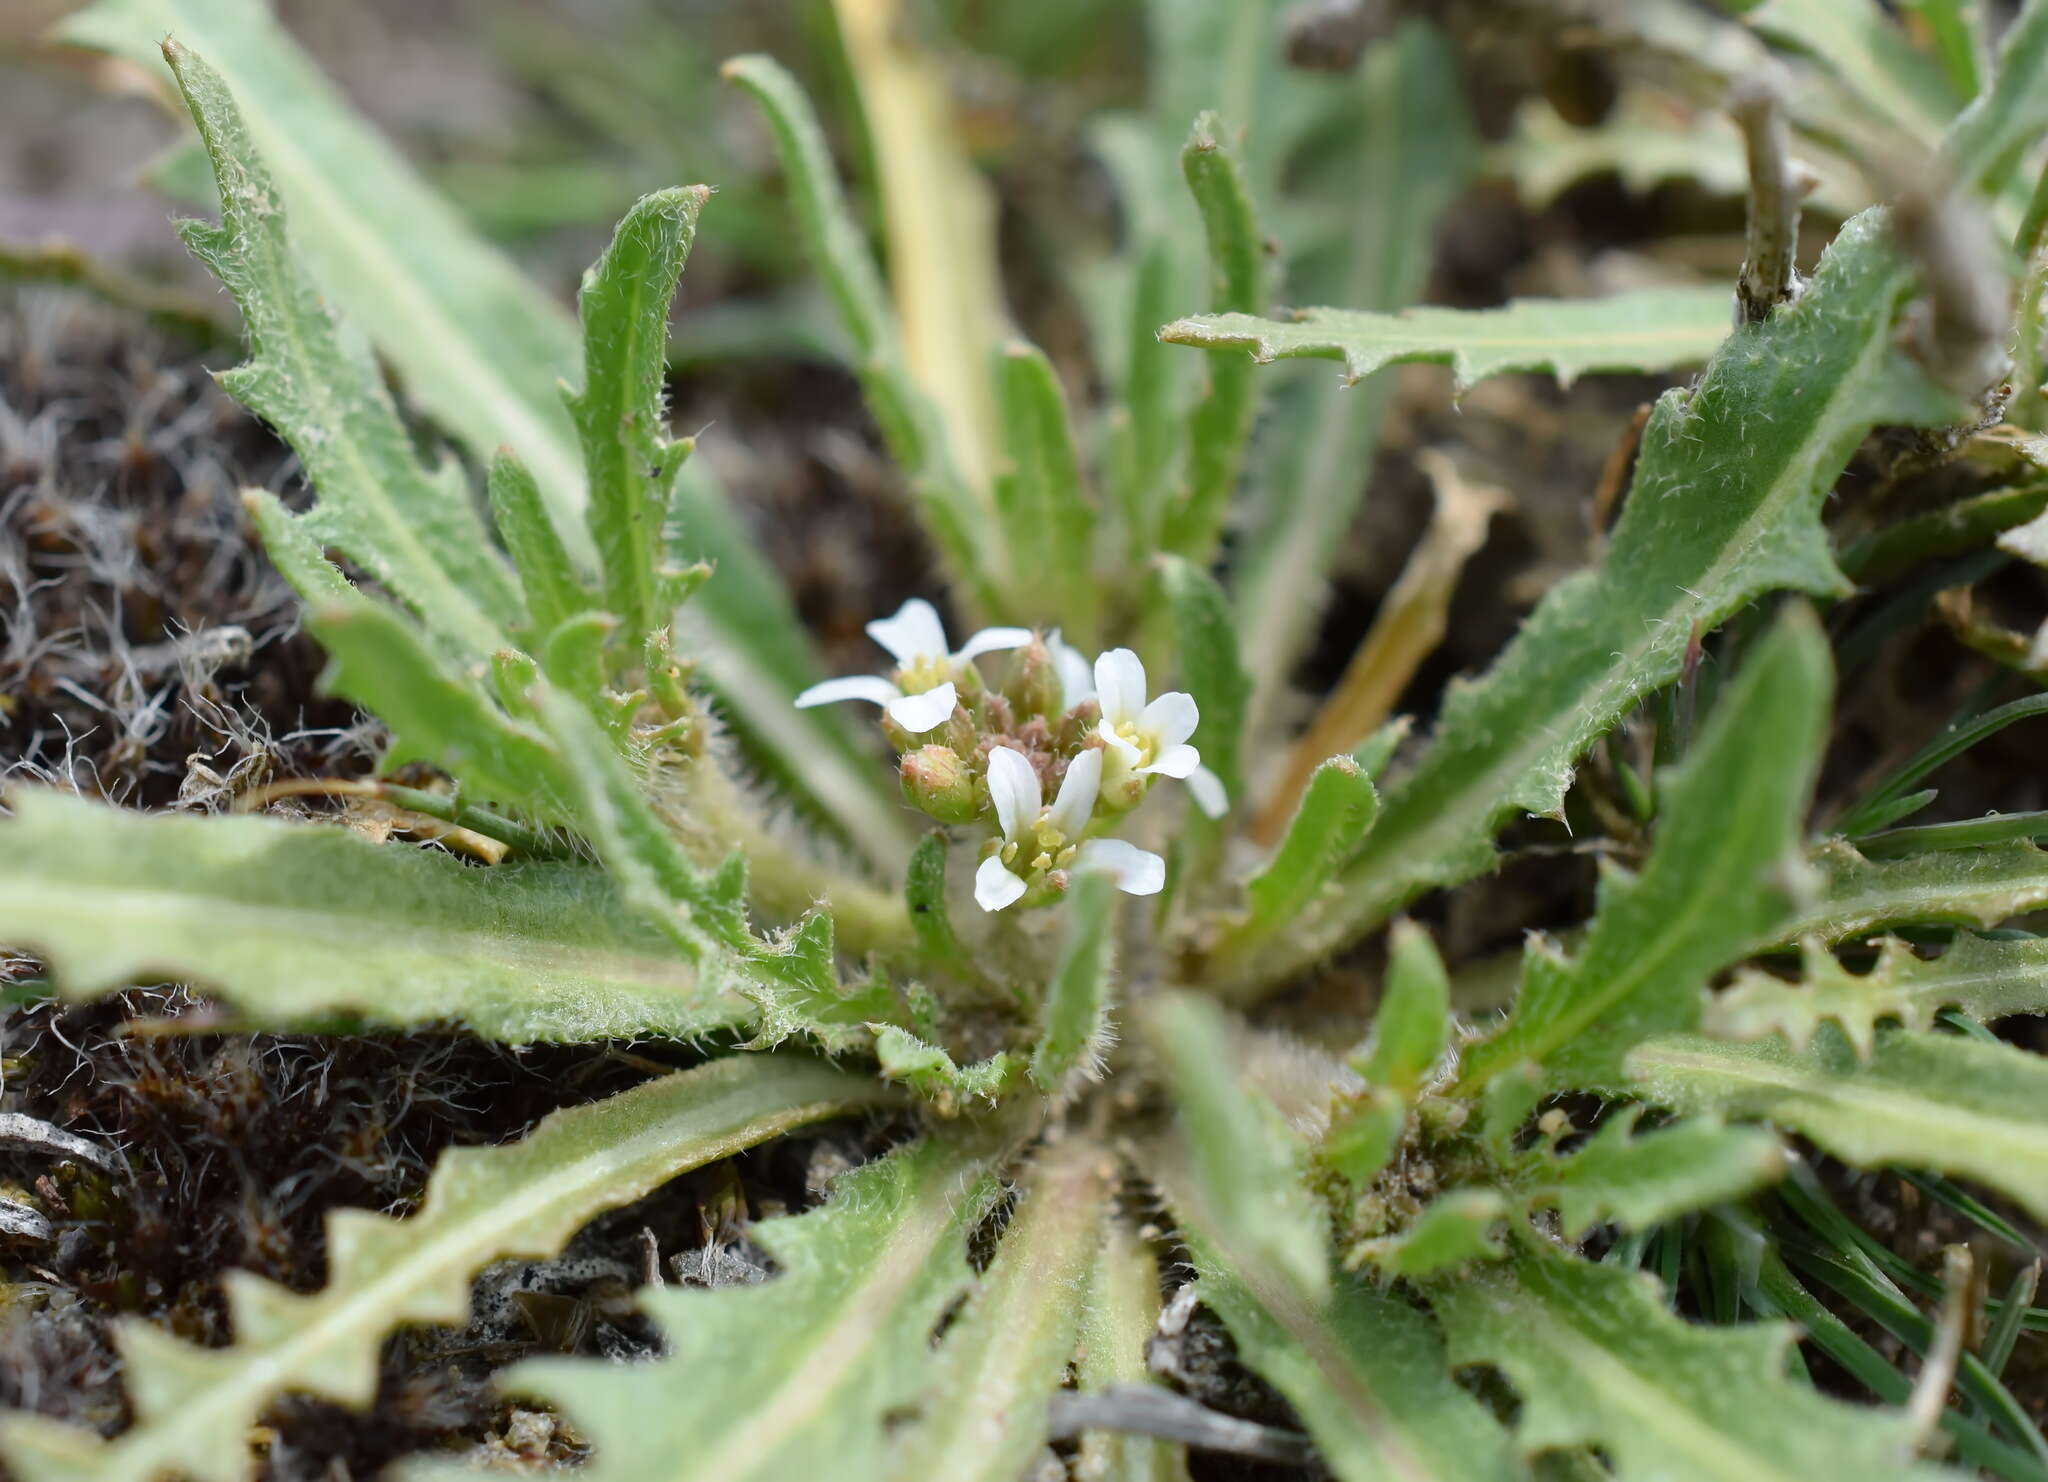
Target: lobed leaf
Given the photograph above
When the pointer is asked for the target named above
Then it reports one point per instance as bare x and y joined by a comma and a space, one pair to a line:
1599, 1361
1711, 891
1649, 329
1725, 506
195, 1405
1984, 977
621, 414
796, 1376
298, 925
1920, 1101
1635, 1182
1964, 887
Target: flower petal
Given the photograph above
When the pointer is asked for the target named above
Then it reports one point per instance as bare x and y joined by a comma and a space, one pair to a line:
1120, 685
1013, 788
1072, 808
924, 712
1170, 719
914, 633
1127, 753
1207, 789
991, 641
1077, 683
1136, 871
994, 886
1175, 761
870, 687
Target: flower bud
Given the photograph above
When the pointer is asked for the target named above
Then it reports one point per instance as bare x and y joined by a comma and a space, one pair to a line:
937, 782
1035, 689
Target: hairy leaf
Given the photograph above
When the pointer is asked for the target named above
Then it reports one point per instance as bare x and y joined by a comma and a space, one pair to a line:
1244, 1184
1412, 1024
1336, 813
415, 530
1648, 329
793, 1377
931, 1072
1966, 887
621, 413
1635, 1181
1725, 506
302, 924
193, 1405
985, 1419
1598, 1361
1985, 978
1921, 1101
1047, 518
1710, 892
1074, 1030
1119, 1323
1209, 666
554, 590
1367, 1376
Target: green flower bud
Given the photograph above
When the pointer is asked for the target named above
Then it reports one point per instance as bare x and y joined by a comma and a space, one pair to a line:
937, 782
1035, 688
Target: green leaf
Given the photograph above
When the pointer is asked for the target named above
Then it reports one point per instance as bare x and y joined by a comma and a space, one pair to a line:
985, 1419
1598, 1361
554, 591
194, 1405
924, 894
1645, 330
1634, 1182
1985, 978
1244, 1189
1710, 892
1858, 44
437, 714
1074, 1029
1965, 887
794, 1377
954, 514
1205, 632
1935, 1101
1725, 506
1117, 1325
1336, 813
1367, 1376
298, 924
2010, 114
1048, 522
416, 531
1221, 424
928, 1070
478, 345
1456, 1229
1412, 1023
621, 413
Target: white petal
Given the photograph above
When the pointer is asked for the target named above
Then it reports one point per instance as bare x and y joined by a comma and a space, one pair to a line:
1013, 788
925, 712
1208, 792
870, 687
1175, 761
1076, 682
1136, 871
992, 641
914, 633
1170, 719
994, 886
1076, 802
1120, 685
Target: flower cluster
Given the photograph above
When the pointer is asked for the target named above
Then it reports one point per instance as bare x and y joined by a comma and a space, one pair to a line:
1083, 734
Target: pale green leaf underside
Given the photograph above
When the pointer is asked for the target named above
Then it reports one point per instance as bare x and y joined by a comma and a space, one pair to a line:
1599, 1361
1644, 330
195, 1405
1921, 1101
794, 1377
296, 923
1985, 978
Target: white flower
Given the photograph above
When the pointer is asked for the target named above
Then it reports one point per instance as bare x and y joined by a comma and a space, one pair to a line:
921, 695
1038, 839
1143, 739
1068, 662
1208, 792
